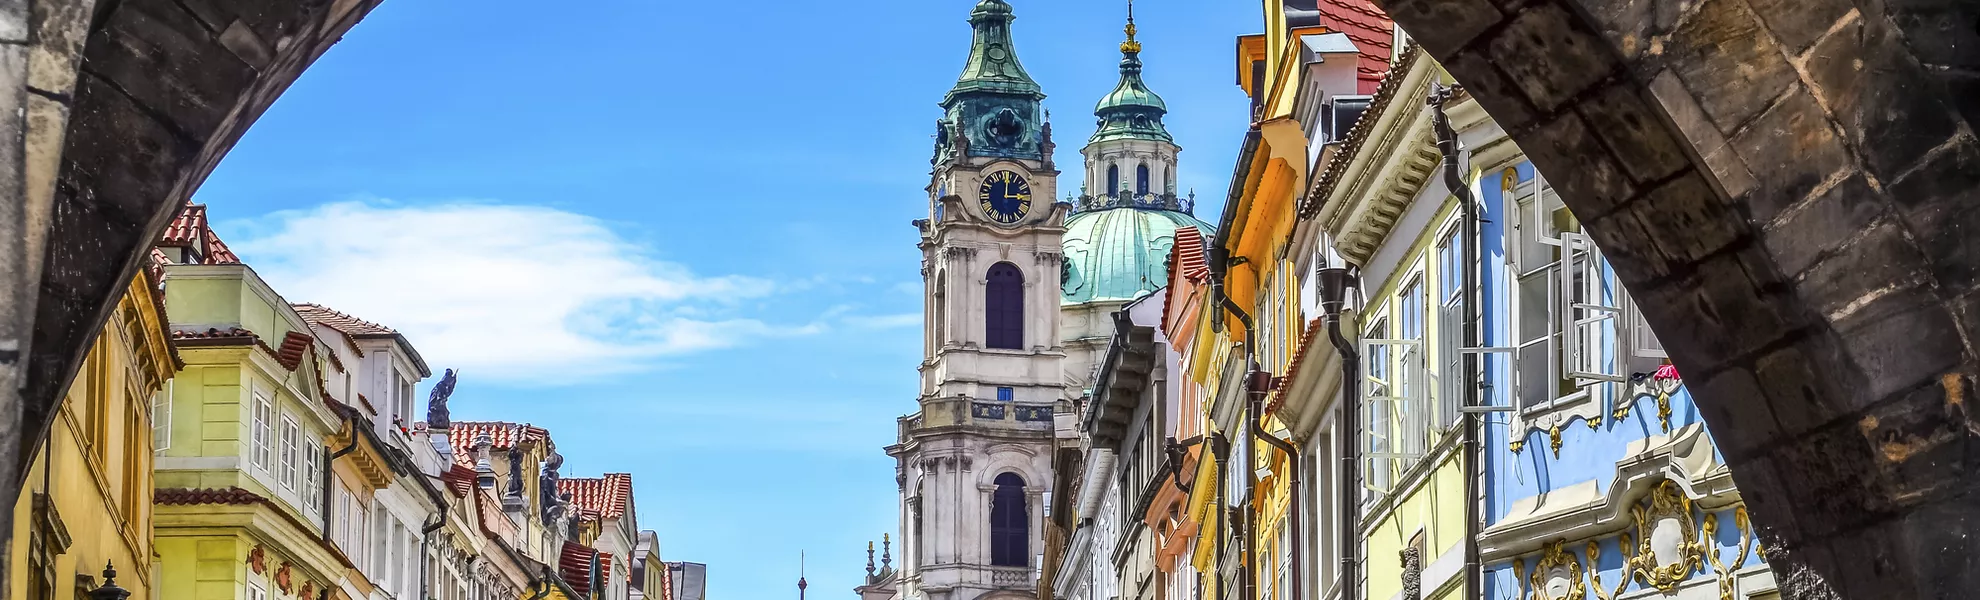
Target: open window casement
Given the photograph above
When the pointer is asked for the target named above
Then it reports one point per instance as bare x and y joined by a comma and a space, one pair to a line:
1450, 366
1392, 409
1643, 343
1591, 314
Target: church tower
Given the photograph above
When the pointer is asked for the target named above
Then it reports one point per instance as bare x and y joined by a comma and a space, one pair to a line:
974, 464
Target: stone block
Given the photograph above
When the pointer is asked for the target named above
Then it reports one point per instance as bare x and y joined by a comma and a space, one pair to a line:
1632, 25
1744, 421
1942, 540
1578, 166
1504, 101
1940, 202
165, 60
60, 28
1964, 88
1678, 103
1767, 497
1798, 23
1800, 237
1688, 220
1551, 54
1835, 480
1874, 563
1878, 262
1444, 26
1923, 438
1722, 312
1901, 340
1643, 143
17, 19
1628, 246
1790, 150
1729, 62
1806, 383
1880, 96
1939, 32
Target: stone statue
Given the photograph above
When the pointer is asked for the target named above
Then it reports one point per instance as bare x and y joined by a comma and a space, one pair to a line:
962, 140
515, 472
548, 490
1045, 144
437, 416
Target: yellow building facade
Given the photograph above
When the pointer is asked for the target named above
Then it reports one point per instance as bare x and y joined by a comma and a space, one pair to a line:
87, 500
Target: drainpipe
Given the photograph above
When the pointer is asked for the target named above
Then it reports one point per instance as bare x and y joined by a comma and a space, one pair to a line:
1447, 144
1260, 383
1220, 263
1334, 283
328, 477
1220, 447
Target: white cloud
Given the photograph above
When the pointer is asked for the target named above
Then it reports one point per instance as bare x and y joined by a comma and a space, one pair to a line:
517, 293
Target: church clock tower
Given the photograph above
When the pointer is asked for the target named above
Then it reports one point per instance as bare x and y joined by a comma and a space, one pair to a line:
974, 464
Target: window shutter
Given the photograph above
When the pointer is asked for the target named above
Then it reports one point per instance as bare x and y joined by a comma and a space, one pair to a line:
1450, 364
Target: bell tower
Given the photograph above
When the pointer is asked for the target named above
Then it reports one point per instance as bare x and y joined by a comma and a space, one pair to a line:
974, 463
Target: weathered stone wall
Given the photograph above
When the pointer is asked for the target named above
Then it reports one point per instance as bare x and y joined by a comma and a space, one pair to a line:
1791, 188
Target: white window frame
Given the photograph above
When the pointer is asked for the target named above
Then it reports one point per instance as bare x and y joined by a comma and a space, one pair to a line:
291, 442
1591, 329
255, 591
262, 439
1392, 421
161, 418
312, 470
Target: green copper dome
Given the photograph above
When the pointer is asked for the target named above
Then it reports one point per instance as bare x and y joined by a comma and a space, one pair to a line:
1120, 254
993, 63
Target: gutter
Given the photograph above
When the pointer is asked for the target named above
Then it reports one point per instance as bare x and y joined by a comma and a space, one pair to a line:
1293, 504
329, 472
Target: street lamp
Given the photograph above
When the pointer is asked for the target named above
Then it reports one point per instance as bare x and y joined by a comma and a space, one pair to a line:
109, 591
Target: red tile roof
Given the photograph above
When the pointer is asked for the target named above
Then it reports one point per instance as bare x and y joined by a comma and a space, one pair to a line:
1306, 344
1186, 264
599, 498
294, 346
505, 435
1371, 31
574, 566
460, 479
190, 229
329, 317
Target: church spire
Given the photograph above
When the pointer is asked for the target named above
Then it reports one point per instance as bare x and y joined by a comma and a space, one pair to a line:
1131, 111
993, 64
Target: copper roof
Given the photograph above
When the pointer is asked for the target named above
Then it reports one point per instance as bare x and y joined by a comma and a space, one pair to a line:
190, 229
599, 498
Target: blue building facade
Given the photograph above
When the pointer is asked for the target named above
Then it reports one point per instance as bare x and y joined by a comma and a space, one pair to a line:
1600, 480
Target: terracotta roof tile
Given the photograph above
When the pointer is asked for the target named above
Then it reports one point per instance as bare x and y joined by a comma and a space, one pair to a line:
574, 566
600, 498
295, 345
1306, 344
191, 229
1331, 173
328, 317
1370, 29
190, 496
460, 479
505, 435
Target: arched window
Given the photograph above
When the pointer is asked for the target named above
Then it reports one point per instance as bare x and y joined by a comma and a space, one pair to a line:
1003, 307
1113, 179
1009, 523
1141, 180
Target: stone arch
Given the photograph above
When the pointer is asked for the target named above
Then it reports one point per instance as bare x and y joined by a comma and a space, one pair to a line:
1788, 188
120, 114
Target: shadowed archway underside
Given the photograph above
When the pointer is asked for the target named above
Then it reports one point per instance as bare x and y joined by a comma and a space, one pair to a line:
1791, 189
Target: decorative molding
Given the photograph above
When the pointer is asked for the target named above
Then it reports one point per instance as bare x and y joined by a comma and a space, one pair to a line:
1728, 581
1558, 564
257, 560
1595, 565
1664, 505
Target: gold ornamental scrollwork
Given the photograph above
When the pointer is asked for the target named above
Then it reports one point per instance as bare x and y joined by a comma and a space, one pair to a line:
1665, 502
1554, 438
1558, 557
1728, 583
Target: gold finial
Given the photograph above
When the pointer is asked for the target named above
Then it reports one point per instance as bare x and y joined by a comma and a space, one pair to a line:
1130, 45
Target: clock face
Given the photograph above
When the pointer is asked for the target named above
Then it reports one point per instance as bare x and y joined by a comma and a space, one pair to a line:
1005, 197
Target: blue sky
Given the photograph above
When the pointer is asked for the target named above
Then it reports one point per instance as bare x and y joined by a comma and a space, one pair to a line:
676, 233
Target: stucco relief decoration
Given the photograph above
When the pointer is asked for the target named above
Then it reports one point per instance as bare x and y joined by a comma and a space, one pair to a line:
1668, 550
258, 560
1558, 575
308, 589
285, 579
1595, 575
1728, 582
1659, 385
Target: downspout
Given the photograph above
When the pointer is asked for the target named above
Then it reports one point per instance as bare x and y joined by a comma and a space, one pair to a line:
1447, 144
1220, 447
425, 541
1293, 505
1350, 451
328, 473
